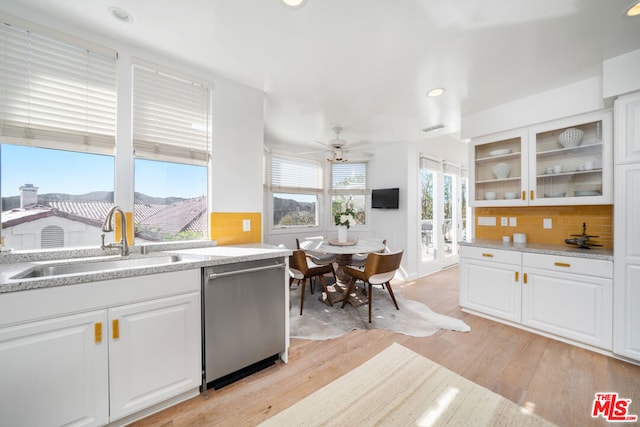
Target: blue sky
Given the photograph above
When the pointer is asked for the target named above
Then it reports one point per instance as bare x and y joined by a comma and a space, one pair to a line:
56, 171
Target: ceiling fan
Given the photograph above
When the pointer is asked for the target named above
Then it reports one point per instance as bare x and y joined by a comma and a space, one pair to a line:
338, 148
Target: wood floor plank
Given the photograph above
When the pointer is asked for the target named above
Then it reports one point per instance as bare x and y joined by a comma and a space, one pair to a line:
553, 379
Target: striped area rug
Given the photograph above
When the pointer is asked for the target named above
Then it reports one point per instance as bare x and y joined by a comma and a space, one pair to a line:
399, 387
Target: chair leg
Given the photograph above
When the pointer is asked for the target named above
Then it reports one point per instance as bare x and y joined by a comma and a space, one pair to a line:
352, 285
392, 296
370, 299
304, 282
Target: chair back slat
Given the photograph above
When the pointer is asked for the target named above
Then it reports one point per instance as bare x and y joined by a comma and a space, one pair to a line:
298, 261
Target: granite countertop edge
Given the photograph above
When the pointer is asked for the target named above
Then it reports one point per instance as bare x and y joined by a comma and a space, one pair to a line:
542, 248
191, 259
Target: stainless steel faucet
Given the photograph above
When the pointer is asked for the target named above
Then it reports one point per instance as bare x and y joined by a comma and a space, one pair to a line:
107, 228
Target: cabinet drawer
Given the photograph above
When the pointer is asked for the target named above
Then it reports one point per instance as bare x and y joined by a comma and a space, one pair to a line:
564, 264
490, 254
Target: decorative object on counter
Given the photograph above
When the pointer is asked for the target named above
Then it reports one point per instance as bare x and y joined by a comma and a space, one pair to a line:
490, 195
500, 152
581, 240
519, 238
571, 137
510, 196
502, 170
506, 239
344, 220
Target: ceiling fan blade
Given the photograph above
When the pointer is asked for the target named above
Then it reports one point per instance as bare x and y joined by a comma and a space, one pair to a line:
357, 144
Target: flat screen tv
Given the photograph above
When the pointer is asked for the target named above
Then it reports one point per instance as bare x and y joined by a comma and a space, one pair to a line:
385, 198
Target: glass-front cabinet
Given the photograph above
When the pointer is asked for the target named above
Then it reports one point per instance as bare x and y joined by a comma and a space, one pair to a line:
564, 162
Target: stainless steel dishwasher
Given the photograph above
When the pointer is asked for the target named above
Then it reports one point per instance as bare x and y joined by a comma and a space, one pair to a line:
243, 318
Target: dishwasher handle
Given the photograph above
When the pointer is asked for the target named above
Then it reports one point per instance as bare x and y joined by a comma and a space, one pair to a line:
213, 276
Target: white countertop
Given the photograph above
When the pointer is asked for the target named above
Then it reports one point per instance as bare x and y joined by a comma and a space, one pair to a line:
542, 248
190, 258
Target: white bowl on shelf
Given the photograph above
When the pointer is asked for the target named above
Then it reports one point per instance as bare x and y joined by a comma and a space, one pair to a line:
510, 196
490, 195
571, 137
502, 170
500, 152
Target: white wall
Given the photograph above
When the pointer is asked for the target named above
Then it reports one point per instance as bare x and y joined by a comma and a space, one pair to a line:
620, 74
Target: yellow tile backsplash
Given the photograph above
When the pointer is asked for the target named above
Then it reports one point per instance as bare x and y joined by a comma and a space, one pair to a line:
566, 220
227, 227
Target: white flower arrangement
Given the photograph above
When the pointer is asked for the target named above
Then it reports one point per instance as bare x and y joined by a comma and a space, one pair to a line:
346, 218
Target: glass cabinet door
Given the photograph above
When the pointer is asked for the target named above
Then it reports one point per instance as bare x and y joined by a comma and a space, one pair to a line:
571, 164
499, 171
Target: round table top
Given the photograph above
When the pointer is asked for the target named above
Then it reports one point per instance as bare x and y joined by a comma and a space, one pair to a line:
363, 246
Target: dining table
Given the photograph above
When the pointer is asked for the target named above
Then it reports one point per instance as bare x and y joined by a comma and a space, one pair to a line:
344, 252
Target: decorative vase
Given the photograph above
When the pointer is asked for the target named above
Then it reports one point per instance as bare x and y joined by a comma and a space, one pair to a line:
342, 234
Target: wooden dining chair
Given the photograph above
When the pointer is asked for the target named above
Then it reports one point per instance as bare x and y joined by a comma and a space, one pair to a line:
301, 270
379, 269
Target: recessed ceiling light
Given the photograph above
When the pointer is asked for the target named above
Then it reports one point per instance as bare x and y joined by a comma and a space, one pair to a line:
436, 92
121, 14
293, 4
634, 9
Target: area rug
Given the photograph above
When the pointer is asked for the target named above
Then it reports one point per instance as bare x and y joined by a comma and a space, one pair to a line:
399, 387
320, 321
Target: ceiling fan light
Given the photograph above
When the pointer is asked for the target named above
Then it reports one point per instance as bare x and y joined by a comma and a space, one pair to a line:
294, 4
634, 9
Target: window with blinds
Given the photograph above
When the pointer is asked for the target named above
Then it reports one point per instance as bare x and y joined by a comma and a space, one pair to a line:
296, 185
349, 188
171, 117
55, 94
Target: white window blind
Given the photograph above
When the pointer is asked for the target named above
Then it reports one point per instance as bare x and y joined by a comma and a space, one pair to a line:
295, 175
55, 94
451, 168
350, 178
171, 117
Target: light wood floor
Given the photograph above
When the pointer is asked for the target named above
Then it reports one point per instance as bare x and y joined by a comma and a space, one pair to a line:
556, 380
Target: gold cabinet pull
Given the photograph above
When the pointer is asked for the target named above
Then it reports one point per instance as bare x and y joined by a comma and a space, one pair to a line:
531, 195
524, 195
561, 264
517, 276
487, 255
524, 277
97, 332
115, 329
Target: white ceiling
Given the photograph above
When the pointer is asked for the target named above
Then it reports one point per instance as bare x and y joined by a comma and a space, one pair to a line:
366, 65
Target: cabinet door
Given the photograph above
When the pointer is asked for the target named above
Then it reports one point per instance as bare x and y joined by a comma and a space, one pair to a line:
498, 170
54, 372
490, 288
570, 161
627, 123
569, 305
627, 262
154, 352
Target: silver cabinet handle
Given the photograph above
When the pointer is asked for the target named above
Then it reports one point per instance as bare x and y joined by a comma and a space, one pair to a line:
246, 270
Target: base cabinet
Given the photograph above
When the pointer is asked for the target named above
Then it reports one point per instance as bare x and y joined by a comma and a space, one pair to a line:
567, 297
55, 372
103, 364
490, 282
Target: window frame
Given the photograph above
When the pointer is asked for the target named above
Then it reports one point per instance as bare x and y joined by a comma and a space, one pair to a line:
366, 192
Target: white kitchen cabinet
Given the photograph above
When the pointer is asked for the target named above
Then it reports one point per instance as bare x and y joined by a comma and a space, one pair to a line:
154, 352
55, 372
540, 170
489, 281
569, 297
59, 354
626, 327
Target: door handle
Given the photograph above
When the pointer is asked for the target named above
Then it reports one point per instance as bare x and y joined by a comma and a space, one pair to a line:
524, 195
213, 276
517, 276
524, 278
115, 329
531, 195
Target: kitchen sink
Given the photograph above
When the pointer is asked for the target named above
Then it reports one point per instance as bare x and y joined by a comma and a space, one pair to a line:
90, 266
